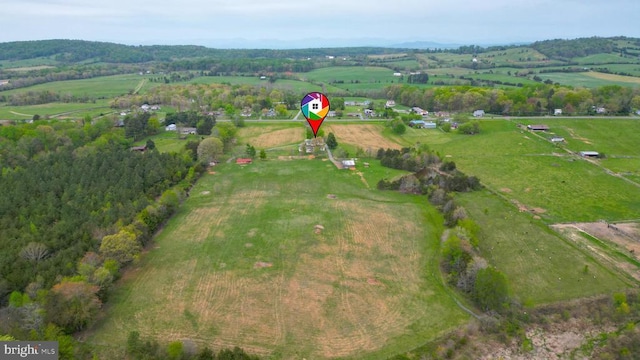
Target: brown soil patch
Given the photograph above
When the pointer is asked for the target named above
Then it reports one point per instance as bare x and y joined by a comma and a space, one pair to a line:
506, 190
364, 181
262, 264
332, 196
538, 210
625, 236
268, 137
365, 136
573, 134
613, 77
555, 341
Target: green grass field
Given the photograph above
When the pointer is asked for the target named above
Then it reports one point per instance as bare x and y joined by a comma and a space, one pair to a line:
55, 110
369, 75
540, 175
541, 266
99, 87
240, 264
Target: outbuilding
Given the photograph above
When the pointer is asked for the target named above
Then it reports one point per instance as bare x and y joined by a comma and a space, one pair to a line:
349, 164
538, 127
589, 154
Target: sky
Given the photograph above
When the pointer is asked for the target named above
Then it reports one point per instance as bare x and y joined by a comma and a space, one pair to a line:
308, 24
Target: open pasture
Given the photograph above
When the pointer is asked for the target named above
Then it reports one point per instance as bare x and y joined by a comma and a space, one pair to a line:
538, 174
293, 259
541, 266
98, 87
55, 110
285, 84
618, 139
590, 79
348, 74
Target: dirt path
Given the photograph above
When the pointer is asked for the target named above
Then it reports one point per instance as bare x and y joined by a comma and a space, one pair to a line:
335, 162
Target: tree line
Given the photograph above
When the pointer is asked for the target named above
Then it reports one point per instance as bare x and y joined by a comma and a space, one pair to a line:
538, 99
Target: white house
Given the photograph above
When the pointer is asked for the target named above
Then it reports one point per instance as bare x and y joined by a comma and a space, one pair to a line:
478, 113
171, 127
557, 112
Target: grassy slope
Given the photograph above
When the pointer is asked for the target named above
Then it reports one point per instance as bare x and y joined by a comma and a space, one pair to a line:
318, 299
541, 266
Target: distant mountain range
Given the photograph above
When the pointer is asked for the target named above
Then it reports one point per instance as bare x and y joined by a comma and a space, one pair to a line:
76, 51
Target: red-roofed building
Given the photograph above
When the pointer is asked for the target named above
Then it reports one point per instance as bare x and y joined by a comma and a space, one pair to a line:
244, 161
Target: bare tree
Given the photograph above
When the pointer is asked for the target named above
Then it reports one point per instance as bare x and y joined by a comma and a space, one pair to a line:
34, 251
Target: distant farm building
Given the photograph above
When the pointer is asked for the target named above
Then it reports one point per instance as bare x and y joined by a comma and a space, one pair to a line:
397, 74
557, 112
419, 111
538, 127
187, 130
309, 146
421, 124
557, 139
349, 164
171, 127
243, 161
478, 113
589, 154
390, 103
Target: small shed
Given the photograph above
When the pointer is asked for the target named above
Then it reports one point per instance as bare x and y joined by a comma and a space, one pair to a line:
349, 164
589, 154
243, 161
538, 127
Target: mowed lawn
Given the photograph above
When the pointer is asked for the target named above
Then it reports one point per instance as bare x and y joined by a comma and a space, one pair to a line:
292, 259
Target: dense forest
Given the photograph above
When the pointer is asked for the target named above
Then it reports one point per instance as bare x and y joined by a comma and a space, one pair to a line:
78, 205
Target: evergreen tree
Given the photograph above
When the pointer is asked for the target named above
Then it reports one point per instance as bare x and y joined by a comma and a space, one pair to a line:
332, 143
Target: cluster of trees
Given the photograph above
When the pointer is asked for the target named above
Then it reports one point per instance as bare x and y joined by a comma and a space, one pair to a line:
539, 99
201, 121
44, 97
77, 206
231, 100
141, 349
19, 79
566, 49
409, 159
464, 267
